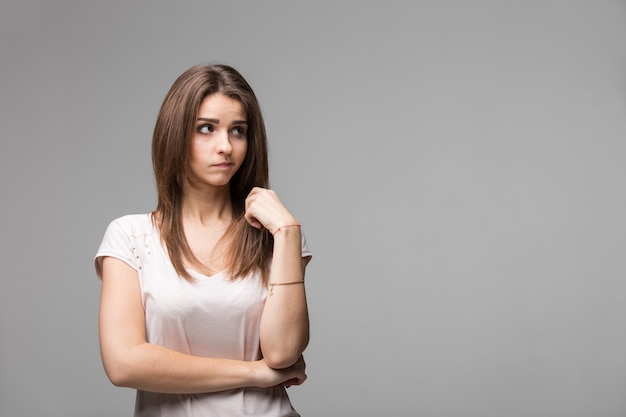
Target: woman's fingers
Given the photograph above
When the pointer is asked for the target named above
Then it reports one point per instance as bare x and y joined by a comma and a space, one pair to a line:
264, 209
293, 375
249, 216
300, 368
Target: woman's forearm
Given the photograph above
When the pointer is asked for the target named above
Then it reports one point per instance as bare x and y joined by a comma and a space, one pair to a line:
285, 321
154, 368
130, 361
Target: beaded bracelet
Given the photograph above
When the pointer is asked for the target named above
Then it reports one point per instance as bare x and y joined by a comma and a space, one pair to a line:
287, 225
272, 284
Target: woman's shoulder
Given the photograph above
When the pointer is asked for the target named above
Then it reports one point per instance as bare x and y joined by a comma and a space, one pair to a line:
134, 224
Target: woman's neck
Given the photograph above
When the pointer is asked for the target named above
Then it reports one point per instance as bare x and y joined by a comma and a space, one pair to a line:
207, 207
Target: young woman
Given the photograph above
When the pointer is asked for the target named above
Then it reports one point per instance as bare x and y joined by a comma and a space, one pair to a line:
203, 307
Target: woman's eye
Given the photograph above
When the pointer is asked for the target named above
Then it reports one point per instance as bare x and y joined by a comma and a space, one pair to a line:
239, 131
205, 129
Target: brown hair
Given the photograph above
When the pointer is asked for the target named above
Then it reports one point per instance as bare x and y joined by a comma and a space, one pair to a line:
247, 249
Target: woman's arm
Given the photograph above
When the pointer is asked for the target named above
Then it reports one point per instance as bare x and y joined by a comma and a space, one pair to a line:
285, 321
130, 361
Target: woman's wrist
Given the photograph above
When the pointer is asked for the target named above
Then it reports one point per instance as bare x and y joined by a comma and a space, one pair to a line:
285, 227
263, 376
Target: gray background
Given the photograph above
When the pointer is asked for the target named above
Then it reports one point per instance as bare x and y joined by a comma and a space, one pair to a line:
459, 167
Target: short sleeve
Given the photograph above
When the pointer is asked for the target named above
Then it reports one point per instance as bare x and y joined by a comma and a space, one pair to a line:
115, 243
306, 252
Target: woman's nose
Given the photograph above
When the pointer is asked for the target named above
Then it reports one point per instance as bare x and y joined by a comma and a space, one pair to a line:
223, 143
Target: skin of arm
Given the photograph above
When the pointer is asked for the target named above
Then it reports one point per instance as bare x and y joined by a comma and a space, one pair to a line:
130, 361
285, 321
284, 329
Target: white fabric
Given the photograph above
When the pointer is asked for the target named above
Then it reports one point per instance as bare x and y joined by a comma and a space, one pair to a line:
211, 317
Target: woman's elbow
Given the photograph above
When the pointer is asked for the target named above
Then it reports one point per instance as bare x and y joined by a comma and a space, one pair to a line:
118, 370
119, 375
283, 357
279, 360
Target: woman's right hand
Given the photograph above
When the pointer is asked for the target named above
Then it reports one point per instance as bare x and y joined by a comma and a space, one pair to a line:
293, 375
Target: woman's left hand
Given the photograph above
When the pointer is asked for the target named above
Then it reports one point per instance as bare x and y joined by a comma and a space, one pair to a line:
300, 365
264, 209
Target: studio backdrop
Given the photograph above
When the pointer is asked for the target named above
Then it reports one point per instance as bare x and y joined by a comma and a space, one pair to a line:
459, 168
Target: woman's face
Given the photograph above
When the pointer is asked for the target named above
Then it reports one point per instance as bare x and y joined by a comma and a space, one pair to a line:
220, 141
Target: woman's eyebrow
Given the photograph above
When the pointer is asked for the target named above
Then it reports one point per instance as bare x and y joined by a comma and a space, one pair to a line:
217, 121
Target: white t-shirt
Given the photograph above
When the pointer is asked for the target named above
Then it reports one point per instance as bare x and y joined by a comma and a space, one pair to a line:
211, 317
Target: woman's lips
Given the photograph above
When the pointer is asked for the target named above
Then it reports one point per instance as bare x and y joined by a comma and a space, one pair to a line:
224, 165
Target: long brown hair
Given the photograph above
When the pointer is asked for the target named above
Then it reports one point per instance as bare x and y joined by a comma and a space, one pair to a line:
247, 249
